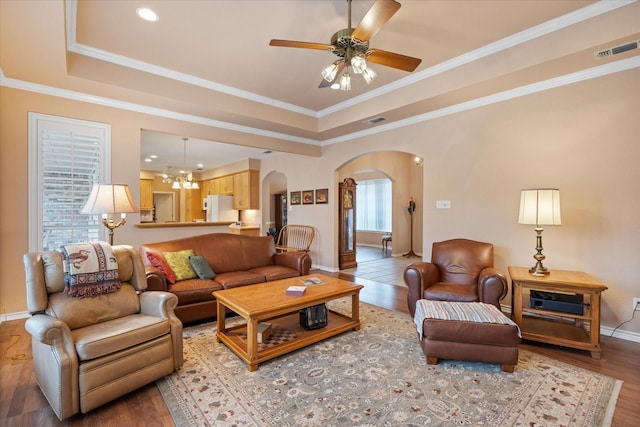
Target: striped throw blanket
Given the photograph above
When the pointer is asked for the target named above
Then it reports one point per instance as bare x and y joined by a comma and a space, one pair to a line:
463, 311
90, 269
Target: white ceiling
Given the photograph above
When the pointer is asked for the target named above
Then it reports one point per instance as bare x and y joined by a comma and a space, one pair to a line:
209, 62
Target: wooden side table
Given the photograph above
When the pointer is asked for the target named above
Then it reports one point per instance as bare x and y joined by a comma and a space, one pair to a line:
553, 326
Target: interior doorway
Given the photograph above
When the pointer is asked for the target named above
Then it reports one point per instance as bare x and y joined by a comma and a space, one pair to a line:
165, 206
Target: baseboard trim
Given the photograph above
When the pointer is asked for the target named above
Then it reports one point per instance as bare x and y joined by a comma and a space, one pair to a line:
14, 316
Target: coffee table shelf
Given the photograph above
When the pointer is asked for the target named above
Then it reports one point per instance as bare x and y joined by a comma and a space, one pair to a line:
268, 302
236, 336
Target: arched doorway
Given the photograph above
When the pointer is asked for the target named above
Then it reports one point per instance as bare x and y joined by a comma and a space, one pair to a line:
274, 202
406, 175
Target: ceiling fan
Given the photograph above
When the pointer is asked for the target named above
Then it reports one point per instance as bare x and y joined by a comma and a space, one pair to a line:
352, 46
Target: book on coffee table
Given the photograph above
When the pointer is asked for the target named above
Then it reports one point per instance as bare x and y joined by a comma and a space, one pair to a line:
264, 331
296, 290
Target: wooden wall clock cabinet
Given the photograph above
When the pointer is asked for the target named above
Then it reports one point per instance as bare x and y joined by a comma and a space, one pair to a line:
347, 224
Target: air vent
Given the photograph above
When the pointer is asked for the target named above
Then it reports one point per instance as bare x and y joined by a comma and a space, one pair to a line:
375, 120
616, 50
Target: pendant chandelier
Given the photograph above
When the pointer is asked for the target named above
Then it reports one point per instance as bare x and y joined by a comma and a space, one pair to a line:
185, 180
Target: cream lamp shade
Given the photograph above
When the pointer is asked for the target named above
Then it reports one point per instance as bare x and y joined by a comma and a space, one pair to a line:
107, 199
539, 207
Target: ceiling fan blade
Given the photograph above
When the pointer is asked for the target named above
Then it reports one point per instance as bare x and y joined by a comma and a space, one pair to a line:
302, 45
376, 17
325, 83
393, 60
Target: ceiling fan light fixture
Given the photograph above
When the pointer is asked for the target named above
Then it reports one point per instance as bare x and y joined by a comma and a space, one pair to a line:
368, 74
330, 72
345, 81
359, 64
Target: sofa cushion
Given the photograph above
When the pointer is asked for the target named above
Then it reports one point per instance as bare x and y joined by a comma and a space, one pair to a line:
194, 290
156, 260
200, 266
234, 279
275, 272
114, 335
179, 263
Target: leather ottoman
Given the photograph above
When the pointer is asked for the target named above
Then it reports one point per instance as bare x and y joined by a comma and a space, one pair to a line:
476, 332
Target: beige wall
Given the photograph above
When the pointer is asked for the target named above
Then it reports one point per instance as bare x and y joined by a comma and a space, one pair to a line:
583, 139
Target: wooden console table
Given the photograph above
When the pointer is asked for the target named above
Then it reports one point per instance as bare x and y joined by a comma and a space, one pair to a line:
558, 327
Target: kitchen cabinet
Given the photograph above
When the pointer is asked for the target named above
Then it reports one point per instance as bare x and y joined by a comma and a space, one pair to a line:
146, 194
193, 205
224, 185
246, 190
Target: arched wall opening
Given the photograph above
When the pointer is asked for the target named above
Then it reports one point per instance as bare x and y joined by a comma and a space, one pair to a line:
274, 185
406, 175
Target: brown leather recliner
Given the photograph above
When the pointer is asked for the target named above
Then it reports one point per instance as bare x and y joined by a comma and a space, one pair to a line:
460, 270
89, 351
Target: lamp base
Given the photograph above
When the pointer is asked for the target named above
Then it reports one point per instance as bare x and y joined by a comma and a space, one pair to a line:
539, 270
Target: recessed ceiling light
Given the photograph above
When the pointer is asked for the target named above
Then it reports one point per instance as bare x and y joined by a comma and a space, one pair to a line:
147, 14
148, 160
153, 156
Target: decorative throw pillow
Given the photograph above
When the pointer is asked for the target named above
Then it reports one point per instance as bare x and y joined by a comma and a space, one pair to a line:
179, 263
158, 262
200, 266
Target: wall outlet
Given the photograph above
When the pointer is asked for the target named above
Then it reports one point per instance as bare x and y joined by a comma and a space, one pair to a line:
636, 304
443, 204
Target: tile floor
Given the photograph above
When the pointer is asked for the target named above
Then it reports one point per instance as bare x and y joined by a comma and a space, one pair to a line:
375, 264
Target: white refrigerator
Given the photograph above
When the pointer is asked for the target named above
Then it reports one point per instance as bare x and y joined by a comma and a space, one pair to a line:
220, 209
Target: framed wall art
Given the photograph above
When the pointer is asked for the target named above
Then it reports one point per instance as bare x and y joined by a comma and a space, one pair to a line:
322, 196
295, 198
307, 197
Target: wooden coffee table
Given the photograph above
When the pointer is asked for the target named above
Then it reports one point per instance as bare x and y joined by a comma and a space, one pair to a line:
268, 302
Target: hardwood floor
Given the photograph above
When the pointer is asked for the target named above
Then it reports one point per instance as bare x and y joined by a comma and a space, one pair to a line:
22, 403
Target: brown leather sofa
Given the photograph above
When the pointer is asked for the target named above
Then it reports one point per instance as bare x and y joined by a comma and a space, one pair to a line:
89, 351
460, 270
237, 260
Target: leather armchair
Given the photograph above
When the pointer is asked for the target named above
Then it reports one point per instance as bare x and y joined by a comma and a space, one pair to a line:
89, 351
460, 270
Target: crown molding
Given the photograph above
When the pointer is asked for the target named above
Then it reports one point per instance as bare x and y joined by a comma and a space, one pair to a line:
532, 33
588, 74
130, 106
73, 46
548, 27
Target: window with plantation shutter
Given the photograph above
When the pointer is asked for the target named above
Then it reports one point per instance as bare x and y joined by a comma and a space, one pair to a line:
67, 157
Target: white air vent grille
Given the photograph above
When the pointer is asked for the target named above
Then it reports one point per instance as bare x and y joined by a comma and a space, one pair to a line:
375, 120
616, 50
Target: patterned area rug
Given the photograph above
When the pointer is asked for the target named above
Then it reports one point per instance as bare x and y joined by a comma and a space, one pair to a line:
378, 377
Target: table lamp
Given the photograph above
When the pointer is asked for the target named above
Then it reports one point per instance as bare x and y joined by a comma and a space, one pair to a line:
539, 207
107, 199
